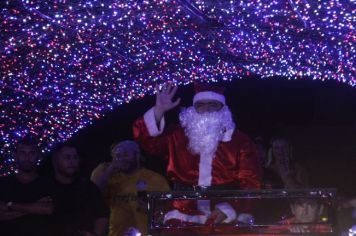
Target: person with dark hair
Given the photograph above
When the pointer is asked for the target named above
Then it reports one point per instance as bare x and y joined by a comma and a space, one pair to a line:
280, 159
206, 151
124, 183
79, 207
25, 201
307, 217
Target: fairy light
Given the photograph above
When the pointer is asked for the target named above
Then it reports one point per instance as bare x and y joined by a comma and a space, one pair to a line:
64, 64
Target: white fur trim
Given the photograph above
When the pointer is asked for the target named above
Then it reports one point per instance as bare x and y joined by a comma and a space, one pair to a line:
204, 206
150, 121
227, 209
245, 218
209, 95
205, 168
228, 134
175, 214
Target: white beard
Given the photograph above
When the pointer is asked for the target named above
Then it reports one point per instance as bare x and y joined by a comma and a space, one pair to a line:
204, 131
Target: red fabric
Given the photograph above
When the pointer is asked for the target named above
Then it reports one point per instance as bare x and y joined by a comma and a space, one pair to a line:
201, 87
235, 163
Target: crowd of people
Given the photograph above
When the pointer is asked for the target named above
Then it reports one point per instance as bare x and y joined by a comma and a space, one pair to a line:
205, 151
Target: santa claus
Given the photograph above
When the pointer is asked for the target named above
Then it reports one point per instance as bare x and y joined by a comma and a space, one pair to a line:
205, 151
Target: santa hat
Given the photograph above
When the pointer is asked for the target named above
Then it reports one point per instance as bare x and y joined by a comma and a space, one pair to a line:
208, 91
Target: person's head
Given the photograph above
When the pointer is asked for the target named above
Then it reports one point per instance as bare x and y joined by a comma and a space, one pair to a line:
27, 155
208, 98
127, 154
306, 210
280, 151
207, 106
65, 160
208, 121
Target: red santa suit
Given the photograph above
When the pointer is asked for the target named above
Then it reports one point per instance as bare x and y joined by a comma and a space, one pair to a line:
235, 163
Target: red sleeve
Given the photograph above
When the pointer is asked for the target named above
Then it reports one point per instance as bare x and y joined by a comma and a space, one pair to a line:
157, 146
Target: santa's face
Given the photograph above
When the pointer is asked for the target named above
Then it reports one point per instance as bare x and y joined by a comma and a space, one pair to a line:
207, 105
204, 130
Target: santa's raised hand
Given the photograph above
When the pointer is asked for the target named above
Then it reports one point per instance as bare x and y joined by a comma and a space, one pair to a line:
164, 100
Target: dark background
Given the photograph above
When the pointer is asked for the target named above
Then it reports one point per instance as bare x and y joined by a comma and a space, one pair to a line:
318, 117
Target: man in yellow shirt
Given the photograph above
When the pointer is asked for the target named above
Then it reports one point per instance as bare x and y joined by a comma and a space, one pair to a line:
121, 180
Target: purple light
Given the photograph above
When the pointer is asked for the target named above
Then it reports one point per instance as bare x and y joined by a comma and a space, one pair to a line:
65, 63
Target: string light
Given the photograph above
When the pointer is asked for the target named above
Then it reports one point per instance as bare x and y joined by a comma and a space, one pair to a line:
65, 63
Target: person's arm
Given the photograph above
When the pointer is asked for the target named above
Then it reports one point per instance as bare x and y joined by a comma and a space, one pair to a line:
148, 130
290, 181
44, 206
8, 214
302, 176
164, 101
101, 175
295, 177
